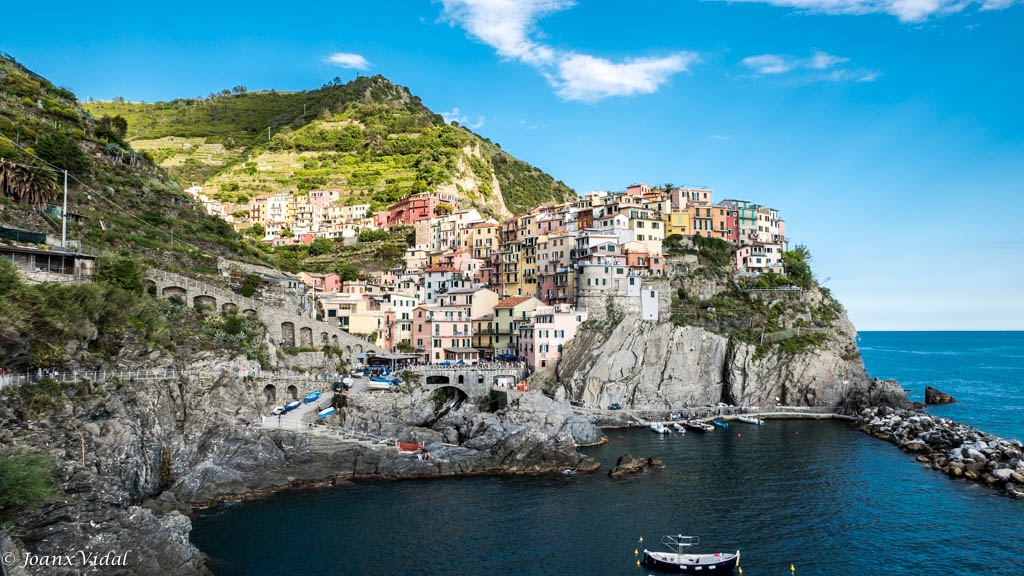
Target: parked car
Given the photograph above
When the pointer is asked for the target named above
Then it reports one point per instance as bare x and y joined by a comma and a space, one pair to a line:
615, 406
577, 403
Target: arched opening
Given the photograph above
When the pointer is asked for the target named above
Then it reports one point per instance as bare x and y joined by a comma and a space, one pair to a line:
462, 379
306, 337
249, 312
229, 308
334, 340
293, 392
205, 303
324, 341
175, 291
480, 379
438, 380
288, 334
270, 394
150, 287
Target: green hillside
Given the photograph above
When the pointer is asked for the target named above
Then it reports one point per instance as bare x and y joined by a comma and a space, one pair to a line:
120, 199
368, 138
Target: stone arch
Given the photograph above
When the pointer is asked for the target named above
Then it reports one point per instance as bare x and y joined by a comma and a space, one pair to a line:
149, 287
306, 337
293, 392
462, 379
229, 308
480, 379
249, 312
288, 334
270, 394
359, 349
447, 392
204, 302
324, 339
334, 340
438, 379
178, 291
348, 354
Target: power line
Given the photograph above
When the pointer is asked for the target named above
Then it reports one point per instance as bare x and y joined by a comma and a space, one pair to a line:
102, 197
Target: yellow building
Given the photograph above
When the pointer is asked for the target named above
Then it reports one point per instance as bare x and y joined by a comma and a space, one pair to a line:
677, 222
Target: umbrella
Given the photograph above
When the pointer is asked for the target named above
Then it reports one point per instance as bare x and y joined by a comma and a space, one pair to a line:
446, 363
461, 363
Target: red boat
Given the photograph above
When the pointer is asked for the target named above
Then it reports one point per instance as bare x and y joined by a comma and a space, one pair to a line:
409, 446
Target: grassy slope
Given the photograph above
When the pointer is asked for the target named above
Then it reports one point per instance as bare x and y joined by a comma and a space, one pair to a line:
130, 207
369, 138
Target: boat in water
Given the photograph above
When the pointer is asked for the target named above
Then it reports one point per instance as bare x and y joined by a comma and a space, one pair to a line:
751, 420
659, 428
720, 424
699, 426
679, 428
678, 561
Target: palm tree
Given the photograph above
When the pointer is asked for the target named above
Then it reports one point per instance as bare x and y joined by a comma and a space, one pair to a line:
27, 184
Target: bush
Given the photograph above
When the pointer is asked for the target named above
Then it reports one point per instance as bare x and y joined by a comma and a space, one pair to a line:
27, 479
62, 151
124, 273
321, 246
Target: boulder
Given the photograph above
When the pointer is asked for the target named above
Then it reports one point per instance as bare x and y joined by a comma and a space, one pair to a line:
628, 465
935, 396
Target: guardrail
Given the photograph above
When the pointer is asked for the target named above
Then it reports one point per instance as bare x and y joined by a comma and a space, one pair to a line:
101, 376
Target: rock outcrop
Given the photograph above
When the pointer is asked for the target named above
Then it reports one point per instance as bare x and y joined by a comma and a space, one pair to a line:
935, 396
954, 449
658, 365
629, 465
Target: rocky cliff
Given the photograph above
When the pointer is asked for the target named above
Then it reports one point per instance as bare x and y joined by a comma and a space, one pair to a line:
662, 365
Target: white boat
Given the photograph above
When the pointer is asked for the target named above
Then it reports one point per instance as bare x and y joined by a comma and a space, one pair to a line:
751, 420
659, 428
679, 427
679, 562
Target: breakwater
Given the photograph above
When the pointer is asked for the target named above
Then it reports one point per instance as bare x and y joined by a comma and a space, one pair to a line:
958, 450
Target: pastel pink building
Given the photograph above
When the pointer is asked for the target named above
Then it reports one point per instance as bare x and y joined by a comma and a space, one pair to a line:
757, 257
542, 340
443, 334
464, 263
417, 207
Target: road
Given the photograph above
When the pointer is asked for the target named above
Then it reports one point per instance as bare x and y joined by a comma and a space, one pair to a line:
304, 414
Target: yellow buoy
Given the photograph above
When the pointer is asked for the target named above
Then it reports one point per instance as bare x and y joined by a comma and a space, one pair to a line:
791, 568
740, 569
636, 552
637, 562
641, 538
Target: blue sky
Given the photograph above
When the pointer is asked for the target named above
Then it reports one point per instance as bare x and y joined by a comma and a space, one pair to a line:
889, 133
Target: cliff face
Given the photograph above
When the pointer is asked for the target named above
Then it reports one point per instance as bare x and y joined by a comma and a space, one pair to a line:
658, 365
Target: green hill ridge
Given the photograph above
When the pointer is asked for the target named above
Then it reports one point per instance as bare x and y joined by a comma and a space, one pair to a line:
369, 138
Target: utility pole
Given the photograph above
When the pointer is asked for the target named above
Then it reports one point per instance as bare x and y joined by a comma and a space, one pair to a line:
64, 215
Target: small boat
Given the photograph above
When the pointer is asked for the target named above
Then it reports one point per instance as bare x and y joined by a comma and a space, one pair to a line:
679, 427
699, 427
679, 562
312, 397
379, 386
659, 428
325, 413
720, 424
409, 446
292, 405
751, 420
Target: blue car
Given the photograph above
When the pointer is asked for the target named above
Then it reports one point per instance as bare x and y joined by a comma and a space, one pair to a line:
312, 397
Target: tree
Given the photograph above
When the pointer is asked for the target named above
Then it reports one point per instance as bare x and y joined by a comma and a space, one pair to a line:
27, 184
256, 230
123, 273
63, 151
669, 187
321, 246
443, 209
346, 271
797, 268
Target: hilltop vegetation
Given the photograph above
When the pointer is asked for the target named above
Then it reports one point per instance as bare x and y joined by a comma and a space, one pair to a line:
119, 198
369, 138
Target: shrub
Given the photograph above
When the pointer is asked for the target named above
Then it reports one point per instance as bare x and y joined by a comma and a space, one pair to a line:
27, 479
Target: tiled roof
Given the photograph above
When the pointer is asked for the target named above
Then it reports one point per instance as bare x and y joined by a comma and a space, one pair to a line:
512, 302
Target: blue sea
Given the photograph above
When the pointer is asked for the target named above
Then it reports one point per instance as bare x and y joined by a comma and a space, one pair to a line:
819, 497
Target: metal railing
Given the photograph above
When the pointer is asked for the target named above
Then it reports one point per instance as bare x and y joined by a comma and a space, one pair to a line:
101, 376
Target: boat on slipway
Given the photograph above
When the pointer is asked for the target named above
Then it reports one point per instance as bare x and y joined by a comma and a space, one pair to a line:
660, 428
699, 426
678, 561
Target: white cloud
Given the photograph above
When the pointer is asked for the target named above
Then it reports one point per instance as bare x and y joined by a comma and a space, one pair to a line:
823, 61
455, 115
768, 64
588, 78
509, 27
348, 60
823, 64
904, 10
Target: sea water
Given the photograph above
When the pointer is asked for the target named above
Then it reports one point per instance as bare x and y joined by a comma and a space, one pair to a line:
817, 496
